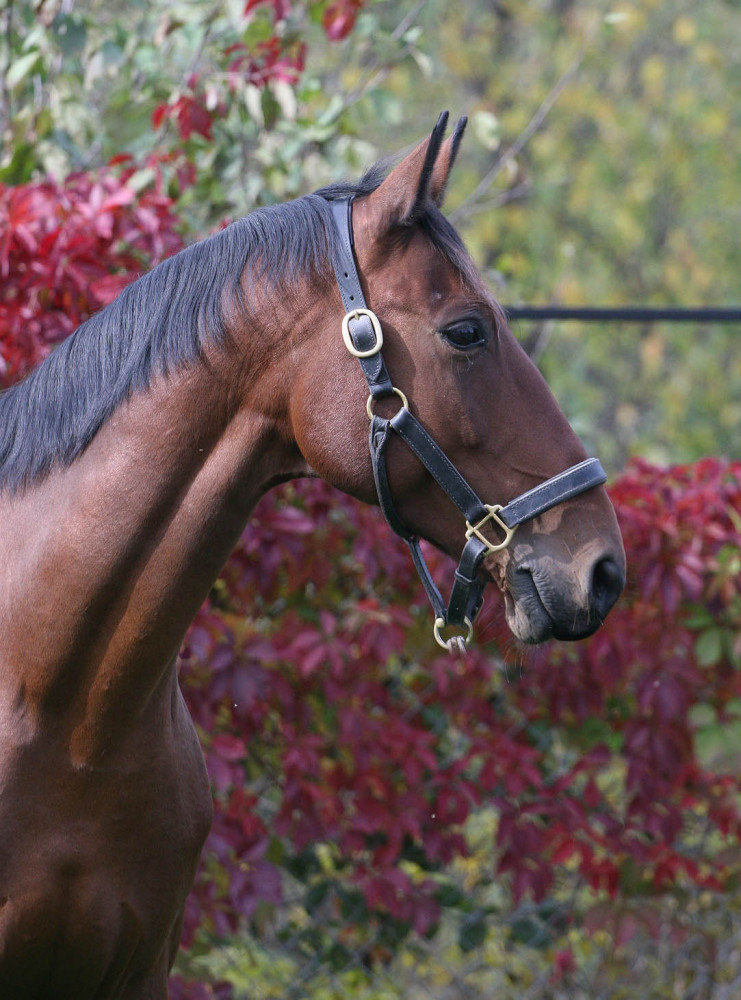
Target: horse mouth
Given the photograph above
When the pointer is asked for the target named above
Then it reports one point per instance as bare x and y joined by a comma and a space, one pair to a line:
526, 614
534, 613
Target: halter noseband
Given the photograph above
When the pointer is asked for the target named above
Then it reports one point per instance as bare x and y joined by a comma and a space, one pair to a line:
363, 337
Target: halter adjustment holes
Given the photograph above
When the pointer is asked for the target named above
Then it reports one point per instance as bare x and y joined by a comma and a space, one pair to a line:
397, 392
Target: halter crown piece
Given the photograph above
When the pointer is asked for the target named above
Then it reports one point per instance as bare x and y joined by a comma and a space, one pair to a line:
363, 337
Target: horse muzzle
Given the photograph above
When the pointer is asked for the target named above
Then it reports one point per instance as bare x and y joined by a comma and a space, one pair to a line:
547, 599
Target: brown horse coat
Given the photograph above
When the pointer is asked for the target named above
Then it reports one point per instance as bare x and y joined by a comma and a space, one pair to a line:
109, 544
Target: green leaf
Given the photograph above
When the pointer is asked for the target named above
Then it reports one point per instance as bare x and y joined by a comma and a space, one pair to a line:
702, 715
22, 68
449, 895
354, 907
286, 98
709, 647
112, 54
316, 895
339, 957
275, 852
472, 931
21, 166
698, 618
425, 63
71, 33
141, 179
330, 113
486, 128
388, 107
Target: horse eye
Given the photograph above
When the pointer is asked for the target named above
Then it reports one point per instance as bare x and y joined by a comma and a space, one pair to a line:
464, 335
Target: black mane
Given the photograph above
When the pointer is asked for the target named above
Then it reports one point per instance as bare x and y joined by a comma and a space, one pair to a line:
164, 320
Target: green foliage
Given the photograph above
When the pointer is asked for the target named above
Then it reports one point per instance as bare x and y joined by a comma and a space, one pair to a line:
84, 86
626, 192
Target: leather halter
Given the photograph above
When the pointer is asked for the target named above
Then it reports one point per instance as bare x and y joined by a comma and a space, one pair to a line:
363, 337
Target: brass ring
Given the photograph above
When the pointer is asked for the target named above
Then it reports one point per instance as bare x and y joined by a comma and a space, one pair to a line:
456, 639
376, 324
399, 393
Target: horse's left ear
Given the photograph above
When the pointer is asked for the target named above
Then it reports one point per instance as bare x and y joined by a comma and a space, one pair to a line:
419, 179
444, 162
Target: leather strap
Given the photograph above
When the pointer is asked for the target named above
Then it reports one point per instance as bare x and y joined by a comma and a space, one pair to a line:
438, 465
351, 292
434, 595
380, 435
555, 490
467, 592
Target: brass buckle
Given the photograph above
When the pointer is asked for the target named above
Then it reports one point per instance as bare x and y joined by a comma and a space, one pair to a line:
398, 392
456, 643
376, 324
475, 529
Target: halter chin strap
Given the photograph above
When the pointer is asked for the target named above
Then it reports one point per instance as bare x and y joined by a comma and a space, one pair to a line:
363, 337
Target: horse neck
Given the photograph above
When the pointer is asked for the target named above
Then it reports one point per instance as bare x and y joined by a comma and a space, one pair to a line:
106, 562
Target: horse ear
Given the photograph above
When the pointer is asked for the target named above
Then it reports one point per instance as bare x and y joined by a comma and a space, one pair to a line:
444, 162
420, 178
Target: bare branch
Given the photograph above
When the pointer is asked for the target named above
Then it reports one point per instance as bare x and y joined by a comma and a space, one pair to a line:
5, 106
503, 198
521, 141
378, 70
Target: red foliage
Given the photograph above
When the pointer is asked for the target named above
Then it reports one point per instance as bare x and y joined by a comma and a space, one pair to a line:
179, 989
281, 8
280, 57
189, 114
274, 59
564, 964
359, 749
66, 249
339, 18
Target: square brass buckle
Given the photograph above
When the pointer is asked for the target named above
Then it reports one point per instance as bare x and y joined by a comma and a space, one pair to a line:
475, 529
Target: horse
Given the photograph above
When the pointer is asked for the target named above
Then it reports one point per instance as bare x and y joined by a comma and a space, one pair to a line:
130, 460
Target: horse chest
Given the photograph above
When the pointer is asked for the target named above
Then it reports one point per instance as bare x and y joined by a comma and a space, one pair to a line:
95, 864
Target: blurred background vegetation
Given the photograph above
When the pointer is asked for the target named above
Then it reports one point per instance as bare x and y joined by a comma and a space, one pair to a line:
602, 167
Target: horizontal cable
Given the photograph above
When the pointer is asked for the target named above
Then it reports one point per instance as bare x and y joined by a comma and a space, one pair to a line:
627, 314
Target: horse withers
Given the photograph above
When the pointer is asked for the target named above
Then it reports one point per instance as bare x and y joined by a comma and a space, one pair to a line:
129, 463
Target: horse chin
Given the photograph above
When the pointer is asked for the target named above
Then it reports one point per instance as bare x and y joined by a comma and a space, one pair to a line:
536, 611
527, 617
525, 614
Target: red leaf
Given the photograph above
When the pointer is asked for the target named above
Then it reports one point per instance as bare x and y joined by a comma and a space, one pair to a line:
339, 18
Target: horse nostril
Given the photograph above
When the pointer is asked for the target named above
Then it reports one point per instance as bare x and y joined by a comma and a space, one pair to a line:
608, 581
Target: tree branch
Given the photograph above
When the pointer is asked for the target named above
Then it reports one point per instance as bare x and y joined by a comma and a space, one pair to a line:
521, 141
5, 110
378, 70
503, 198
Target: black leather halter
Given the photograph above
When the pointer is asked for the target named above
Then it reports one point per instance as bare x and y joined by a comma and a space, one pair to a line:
363, 337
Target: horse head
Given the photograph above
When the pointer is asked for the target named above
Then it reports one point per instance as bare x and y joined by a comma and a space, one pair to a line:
449, 352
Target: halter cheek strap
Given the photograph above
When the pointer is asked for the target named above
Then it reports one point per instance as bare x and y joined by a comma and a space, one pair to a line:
363, 337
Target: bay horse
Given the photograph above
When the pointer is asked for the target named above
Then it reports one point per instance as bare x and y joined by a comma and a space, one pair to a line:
129, 463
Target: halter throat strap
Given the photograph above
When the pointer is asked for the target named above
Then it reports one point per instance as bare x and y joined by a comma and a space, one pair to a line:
363, 336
